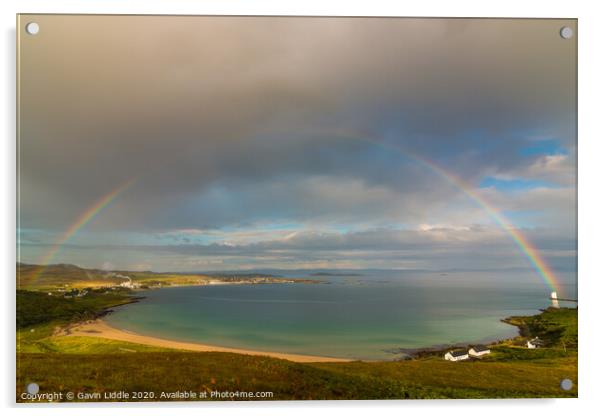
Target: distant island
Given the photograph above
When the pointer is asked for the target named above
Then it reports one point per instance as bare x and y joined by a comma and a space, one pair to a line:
317, 274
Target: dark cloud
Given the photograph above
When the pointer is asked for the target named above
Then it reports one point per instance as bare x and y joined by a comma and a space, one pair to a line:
238, 121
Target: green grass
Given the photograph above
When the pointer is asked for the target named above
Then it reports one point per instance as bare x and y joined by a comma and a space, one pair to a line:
34, 308
474, 378
91, 345
82, 345
507, 352
557, 327
39, 315
170, 371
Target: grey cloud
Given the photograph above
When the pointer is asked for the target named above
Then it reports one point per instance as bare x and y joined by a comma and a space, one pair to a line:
185, 103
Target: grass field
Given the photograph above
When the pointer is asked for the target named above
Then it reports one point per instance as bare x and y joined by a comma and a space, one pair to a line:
214, 372
95, 365
39, 308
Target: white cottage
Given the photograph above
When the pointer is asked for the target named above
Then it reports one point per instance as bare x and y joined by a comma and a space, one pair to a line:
479, 351
535, 343
456, 355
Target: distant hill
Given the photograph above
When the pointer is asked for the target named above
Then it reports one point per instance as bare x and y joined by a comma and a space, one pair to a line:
32, 276
61, 276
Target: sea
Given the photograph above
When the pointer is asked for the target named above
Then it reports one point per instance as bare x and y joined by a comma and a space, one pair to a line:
360, 314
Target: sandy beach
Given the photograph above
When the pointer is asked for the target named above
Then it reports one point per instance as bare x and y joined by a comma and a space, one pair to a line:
99, 328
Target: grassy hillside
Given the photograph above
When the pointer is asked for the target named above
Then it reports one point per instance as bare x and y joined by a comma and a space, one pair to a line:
205, 372
34, 308
557, 327
34, 277
63, 276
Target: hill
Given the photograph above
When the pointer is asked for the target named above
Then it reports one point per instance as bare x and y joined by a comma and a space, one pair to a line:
68, 276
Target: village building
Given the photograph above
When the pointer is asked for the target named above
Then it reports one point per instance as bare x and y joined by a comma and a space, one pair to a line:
130, 285
535, 343
456, 355
479, 351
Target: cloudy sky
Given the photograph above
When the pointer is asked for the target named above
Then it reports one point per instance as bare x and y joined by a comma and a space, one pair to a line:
288, 142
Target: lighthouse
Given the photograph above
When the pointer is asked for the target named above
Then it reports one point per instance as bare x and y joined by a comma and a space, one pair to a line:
554, 298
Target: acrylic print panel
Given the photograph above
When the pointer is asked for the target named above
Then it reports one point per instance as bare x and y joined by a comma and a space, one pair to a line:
295, 208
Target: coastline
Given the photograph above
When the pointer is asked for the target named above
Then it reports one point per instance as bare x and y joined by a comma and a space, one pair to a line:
101, 329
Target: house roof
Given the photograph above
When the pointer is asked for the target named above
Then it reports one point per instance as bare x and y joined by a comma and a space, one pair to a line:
458, 353
480, 348
536, 341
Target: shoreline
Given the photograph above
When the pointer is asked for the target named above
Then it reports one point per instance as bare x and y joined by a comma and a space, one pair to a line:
101, 329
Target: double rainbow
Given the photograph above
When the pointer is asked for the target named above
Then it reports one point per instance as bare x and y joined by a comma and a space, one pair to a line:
526, 247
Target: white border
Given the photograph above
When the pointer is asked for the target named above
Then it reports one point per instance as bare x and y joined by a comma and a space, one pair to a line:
590, 206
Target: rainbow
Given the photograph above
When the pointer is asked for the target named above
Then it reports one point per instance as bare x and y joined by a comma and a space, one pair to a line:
526, 247
81, 221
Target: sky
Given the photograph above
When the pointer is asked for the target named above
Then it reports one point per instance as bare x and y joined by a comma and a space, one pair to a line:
291, 143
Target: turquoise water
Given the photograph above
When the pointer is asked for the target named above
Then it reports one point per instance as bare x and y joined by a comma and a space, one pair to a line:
362, 317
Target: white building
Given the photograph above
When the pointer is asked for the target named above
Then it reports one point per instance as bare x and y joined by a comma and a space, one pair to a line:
554, 298
130, 285
479, 351
456, 355
535, 343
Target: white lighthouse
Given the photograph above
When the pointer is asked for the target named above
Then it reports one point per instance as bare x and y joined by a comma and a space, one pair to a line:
554, 298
